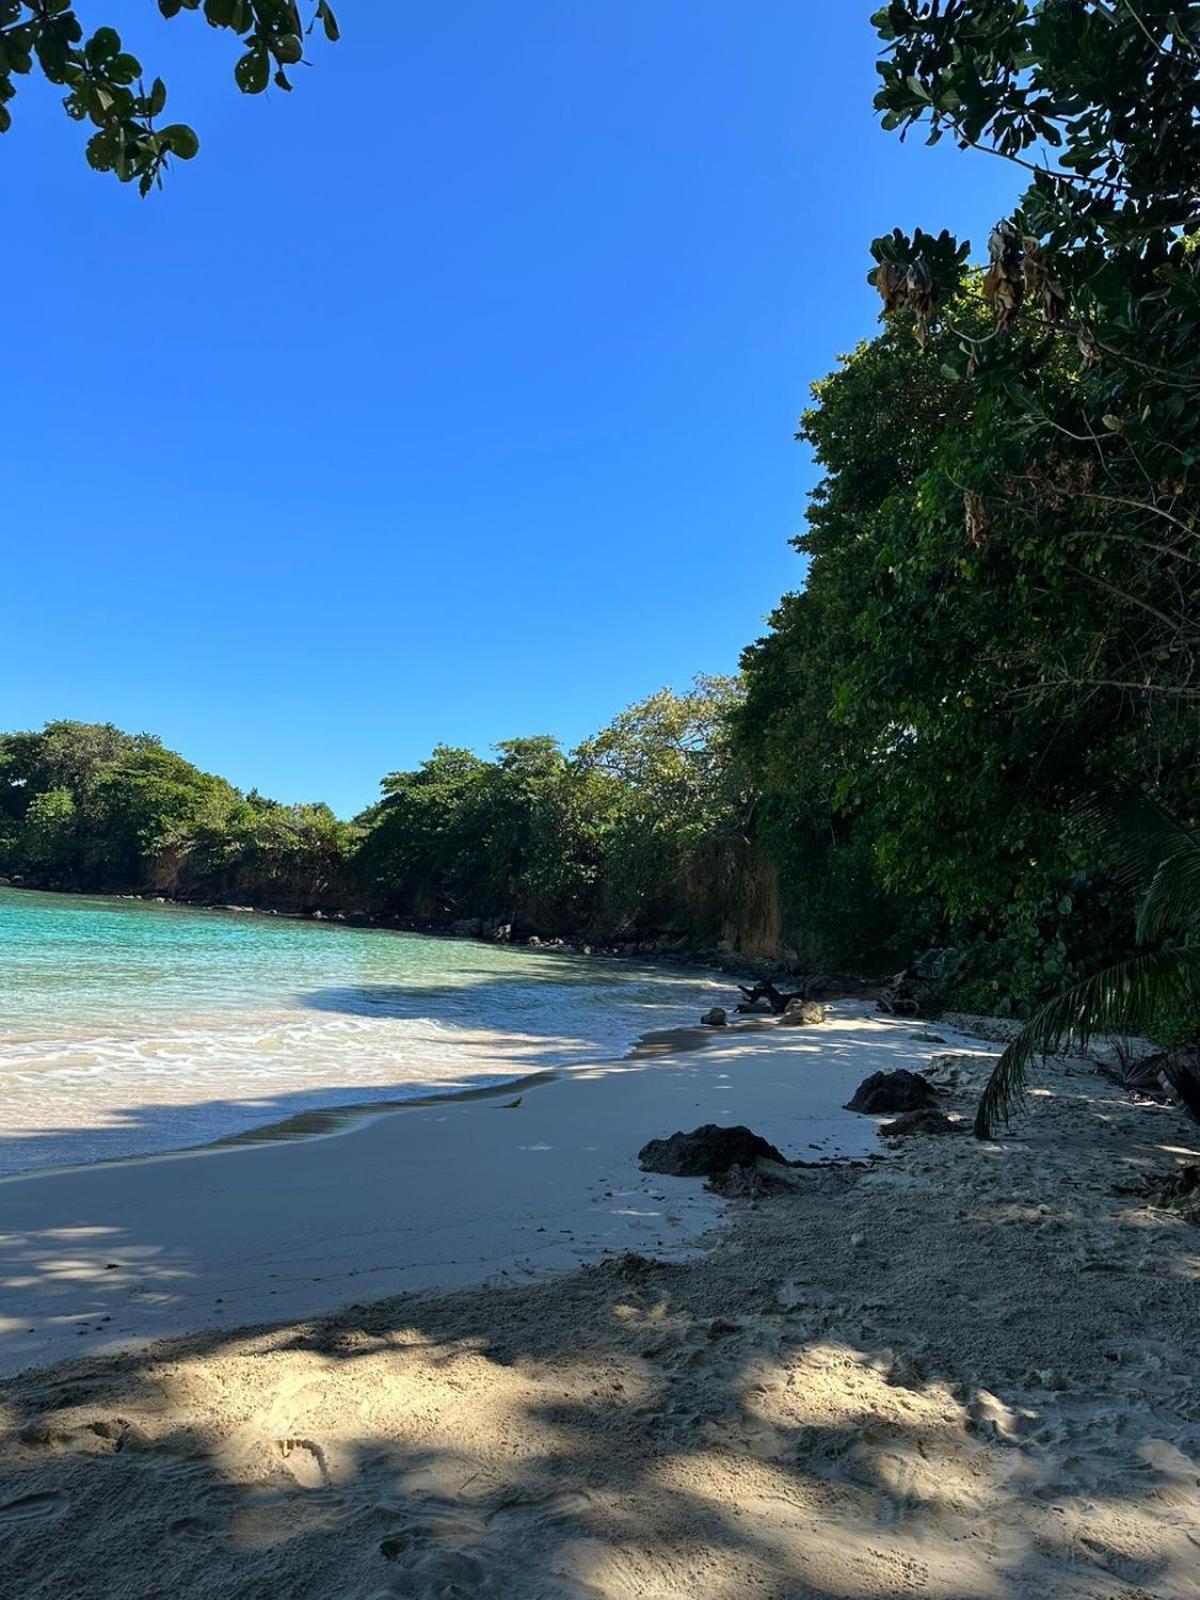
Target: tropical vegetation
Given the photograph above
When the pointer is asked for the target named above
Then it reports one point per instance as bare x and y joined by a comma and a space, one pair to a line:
106, 88
998, 617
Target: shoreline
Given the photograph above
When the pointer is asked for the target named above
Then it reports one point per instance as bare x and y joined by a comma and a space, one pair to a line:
658, 951
318, 1099
328, 1122
966, 1371
453, 1192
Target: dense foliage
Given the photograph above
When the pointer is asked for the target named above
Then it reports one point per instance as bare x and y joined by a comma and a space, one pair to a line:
999, 614
915, 719
85, 806
1000, 611
105, 85
1147, 992
612, 839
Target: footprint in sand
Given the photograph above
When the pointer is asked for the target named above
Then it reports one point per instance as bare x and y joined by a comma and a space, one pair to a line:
569, 1503
103, 1436
304, 1461
34, 1507
190, 1528
437, 1567
457, 1575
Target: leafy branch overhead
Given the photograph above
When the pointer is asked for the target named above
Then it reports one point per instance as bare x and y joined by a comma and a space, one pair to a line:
106, 86
1098, 103
1087, 373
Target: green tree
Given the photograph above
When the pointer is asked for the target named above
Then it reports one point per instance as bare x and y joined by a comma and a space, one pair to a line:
1000, 604
49, 837
417, 853
1095, 277
105, 86
666, 787
915, 718
1161, 979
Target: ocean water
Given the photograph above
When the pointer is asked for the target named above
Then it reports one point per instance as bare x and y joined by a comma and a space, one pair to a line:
128, 1027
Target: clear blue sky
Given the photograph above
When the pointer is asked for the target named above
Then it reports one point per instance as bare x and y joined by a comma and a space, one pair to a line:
450, 398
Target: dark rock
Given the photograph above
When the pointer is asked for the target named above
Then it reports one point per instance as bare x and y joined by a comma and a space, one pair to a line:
742, 1183
1175, 1073
714, 1017
722, 1328
631, 1266
927, 1120
706, 1151
919, 991
892, 1091
803, 1013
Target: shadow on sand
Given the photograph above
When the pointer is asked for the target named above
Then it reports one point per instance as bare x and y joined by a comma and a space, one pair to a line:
769, 1421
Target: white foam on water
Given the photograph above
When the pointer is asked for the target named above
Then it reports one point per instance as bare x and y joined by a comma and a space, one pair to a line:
173, 1028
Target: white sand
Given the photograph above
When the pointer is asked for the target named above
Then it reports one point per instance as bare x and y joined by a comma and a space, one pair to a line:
968, 1372
433, 1196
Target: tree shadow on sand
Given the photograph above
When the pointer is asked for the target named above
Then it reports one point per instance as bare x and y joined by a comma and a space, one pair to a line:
798, 1415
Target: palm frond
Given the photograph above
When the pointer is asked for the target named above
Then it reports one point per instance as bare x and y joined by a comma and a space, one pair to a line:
1141, 838
1121, 999
1172, 902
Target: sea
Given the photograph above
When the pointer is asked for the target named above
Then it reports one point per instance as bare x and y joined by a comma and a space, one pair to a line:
130, 1027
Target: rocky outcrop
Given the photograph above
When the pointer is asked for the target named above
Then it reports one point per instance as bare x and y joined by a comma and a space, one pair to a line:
803, 1013
927, 1120
919, 991
900, 1090
706, 1151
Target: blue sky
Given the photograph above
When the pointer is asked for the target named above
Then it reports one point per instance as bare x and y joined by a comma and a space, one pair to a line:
452, 397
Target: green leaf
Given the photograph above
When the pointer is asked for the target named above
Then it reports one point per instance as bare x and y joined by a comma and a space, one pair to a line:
181, 139
253, 71
124, 69
102, 46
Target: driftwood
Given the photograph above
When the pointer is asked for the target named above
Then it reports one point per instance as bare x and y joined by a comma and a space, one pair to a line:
1166, 1075
766, 990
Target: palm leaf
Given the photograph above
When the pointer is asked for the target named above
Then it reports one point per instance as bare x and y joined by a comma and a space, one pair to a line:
1151, 854
1121, 999
1172, 903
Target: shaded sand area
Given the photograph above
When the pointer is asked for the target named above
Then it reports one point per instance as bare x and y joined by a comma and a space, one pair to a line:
965, 1372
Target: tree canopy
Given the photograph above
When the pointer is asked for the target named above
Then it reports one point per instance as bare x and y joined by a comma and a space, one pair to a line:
107, 89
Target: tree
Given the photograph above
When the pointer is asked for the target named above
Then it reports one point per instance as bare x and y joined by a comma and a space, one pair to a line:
915, 748
49, 837
105, 84
1161, 979
668, 787
1095, 273
417, 851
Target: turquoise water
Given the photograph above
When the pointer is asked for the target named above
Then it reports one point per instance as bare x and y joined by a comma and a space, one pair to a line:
129, 1027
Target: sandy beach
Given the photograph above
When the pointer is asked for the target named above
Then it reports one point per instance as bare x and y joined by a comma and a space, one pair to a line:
444, 1194
967, 1370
